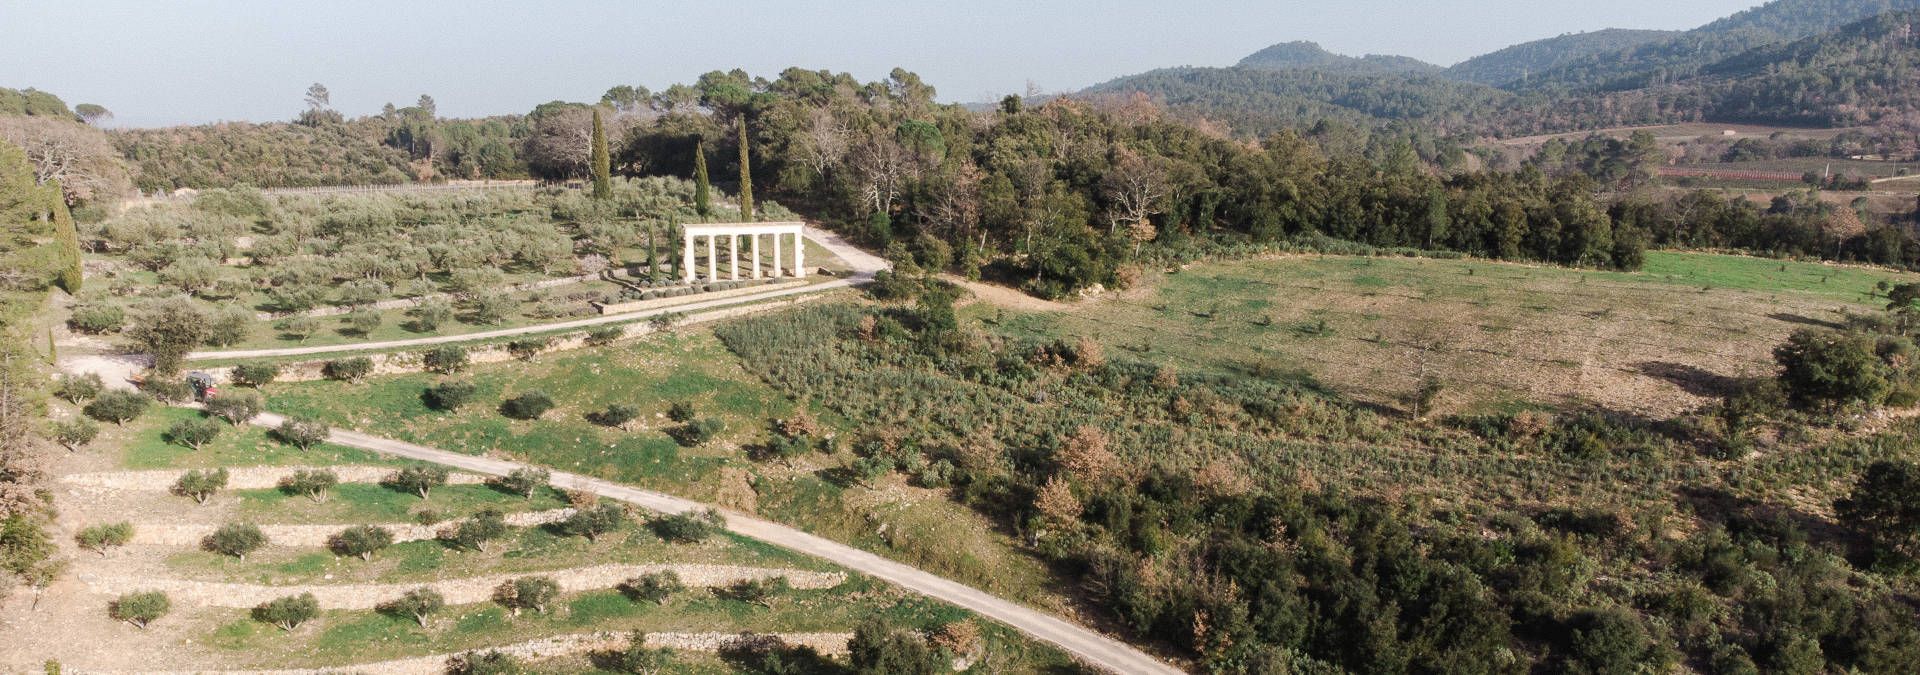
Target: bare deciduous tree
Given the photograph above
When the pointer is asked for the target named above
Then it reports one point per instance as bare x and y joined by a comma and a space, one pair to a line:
1135, 189
77, 155
883, 169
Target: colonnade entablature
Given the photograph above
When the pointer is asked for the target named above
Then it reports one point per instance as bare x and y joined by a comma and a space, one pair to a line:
758, 266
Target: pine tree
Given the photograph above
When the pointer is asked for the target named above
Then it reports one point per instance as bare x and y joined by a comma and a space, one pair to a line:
746, 174
602, 164
702, 190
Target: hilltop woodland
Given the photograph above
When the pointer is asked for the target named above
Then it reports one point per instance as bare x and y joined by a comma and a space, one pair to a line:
1054, 198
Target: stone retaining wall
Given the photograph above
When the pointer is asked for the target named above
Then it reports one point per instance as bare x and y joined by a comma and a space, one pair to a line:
829, 644
145, 534
411, 361
188, 593
244, 478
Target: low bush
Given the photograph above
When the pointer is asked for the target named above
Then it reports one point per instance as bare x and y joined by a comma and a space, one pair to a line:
235, 539
348, 369
201, 485
449, 395
140, 609
446, 360
97, 319
255, 374
99, 538
527, 406
288, 612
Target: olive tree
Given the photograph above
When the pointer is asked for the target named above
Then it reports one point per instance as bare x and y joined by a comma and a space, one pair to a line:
237, 407
193, 432
523, 481
313, 483
419, 480
656, 587
288, 612
235, 539
75, 432
140, 609
533, 593
99, 538
302, 432
417, 604
474, 533
594, 522
360, 541
118, 407
199, 484
167, 329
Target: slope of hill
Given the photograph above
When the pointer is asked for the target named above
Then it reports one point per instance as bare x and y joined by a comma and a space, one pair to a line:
1688, 54
1861, 74
1258, 101
1522, 61
1302, 55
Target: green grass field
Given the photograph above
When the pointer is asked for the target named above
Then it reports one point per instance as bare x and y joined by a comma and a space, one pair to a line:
143, 445
652, 374
1498, 334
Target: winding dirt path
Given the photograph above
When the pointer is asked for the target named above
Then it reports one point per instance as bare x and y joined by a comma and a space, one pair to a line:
1089, 646
457, 591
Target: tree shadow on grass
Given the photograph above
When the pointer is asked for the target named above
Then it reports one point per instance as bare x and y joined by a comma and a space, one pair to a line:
1772, 522
1805, 320
1693, 379
769, 655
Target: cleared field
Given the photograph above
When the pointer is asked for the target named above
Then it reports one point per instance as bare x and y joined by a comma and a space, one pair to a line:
1845, 167
1655, 342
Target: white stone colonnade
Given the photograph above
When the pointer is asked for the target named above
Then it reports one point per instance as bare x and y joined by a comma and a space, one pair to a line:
751, 232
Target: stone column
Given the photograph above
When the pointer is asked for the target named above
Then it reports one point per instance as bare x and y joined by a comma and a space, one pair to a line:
687, 257
713, 260
753, 249
799, 245
733, 256
776, 256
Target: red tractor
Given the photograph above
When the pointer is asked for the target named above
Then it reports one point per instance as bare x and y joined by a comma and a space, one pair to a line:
203, 386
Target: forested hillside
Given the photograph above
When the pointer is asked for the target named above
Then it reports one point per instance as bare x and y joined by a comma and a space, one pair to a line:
324, 148
1691, 53
1520, 63
1310, 56
1256, 102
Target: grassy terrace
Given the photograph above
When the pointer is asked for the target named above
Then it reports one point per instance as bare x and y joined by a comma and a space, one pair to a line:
143, 445
921, 526
529, 550
230, 638
342, 637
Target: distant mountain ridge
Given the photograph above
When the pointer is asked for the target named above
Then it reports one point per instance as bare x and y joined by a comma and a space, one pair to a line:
1793, 62
1303, 55
1688, 54
1522, 61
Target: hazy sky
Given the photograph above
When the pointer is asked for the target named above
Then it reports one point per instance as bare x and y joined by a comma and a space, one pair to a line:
156, 63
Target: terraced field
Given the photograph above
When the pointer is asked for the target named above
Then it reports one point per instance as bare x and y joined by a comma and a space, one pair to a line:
128, 476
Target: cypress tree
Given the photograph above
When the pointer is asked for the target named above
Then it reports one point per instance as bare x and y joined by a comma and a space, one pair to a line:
677, 259
746, 174
602, 163
68, 237
702, 191
653, 254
